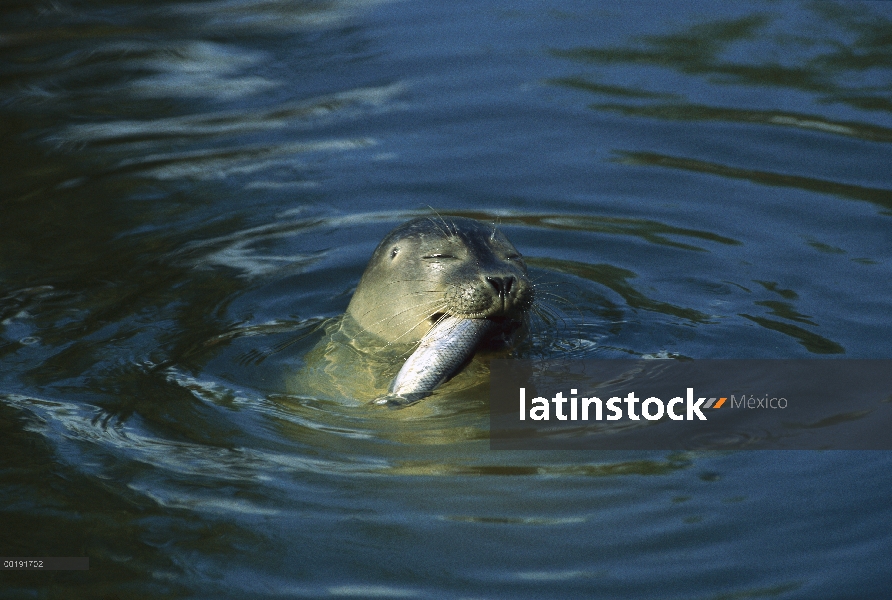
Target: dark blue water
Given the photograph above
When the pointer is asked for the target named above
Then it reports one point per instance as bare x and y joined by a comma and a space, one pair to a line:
191, 190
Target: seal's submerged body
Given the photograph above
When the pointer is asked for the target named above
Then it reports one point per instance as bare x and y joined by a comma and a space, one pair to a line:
453, 284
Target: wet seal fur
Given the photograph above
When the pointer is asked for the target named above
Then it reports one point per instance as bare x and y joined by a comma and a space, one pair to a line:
431, 269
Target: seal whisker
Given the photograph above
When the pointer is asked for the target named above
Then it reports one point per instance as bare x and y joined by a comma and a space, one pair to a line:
445, 230
553, 318
406, 332
396, 314
437, 225
425, 292
430, 281
401, 279
433, 326
451, 229
495, 227
556, 297
439, 321
413, 307
547, 314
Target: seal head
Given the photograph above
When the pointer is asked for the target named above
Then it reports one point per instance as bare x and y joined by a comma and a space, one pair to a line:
432, 268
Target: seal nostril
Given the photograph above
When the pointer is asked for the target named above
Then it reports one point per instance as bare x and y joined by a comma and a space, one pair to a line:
496, 282
502, 285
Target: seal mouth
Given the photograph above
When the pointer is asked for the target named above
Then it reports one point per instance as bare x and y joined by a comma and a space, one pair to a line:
499, 319
501, 334
438, 316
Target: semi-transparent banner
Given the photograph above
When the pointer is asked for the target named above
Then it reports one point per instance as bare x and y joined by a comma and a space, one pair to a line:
796, 404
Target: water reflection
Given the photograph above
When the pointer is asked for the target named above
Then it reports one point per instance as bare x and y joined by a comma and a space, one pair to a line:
307, 113
879, 197
251, 16
820, 58
700, 112
618, 280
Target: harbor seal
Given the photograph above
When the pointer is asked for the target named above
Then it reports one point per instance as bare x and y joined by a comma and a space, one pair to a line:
425, 281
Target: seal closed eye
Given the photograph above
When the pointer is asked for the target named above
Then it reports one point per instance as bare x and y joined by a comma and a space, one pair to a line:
428, 276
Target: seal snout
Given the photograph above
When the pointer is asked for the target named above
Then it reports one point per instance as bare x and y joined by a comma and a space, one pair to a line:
494, 295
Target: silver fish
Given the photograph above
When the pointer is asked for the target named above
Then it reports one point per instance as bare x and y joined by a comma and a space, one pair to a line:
442, 352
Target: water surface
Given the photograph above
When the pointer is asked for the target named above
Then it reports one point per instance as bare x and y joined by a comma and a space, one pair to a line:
190, 191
